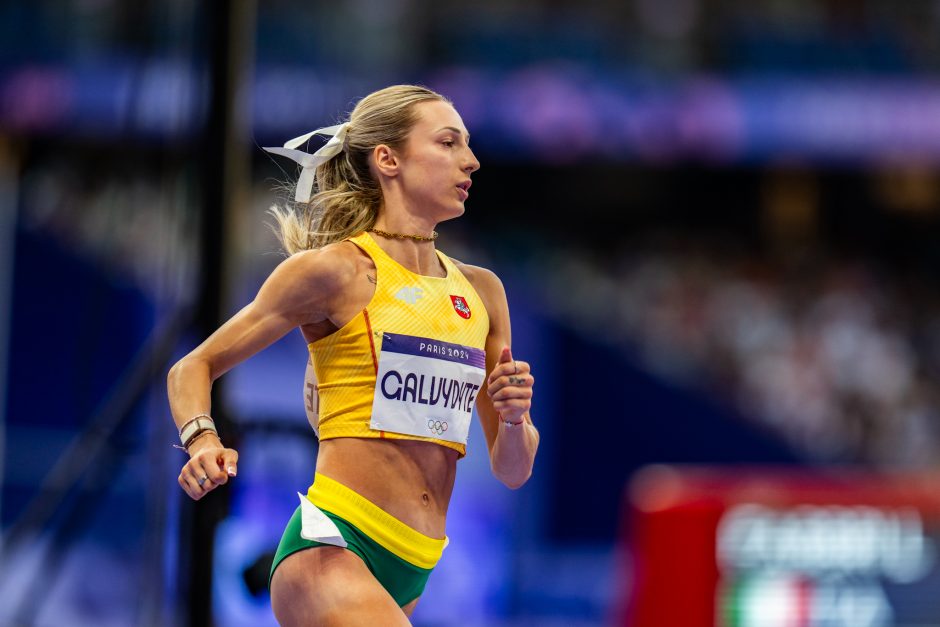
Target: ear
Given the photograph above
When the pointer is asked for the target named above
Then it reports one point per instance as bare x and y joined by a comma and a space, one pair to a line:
386, 160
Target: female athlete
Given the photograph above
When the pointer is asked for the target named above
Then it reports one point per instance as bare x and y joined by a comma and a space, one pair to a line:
404, 342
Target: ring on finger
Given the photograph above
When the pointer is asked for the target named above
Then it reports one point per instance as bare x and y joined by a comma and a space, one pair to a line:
202, 480
515, 367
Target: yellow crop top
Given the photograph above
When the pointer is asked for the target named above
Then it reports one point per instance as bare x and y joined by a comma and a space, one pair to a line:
422, 386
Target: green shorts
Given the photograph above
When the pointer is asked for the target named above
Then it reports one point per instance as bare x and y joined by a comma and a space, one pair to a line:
403, 580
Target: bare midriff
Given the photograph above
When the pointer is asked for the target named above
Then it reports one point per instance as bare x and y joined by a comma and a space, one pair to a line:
411, 480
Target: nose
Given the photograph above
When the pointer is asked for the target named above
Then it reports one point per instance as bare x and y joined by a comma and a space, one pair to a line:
471, 164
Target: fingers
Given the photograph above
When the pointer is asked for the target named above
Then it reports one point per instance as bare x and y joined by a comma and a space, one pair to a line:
208, 470
229, 462
187, 481
511, 386
510, 379
511, 367
505, 355
194, 482
211, 464
514, 373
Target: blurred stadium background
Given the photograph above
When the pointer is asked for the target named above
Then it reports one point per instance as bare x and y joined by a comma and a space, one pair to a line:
717, 225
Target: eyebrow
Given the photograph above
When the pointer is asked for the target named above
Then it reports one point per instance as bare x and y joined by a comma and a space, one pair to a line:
453, 128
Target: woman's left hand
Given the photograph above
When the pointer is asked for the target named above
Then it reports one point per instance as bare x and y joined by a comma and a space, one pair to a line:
510, 387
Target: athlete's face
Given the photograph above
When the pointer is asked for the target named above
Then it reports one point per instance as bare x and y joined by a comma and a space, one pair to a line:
437, 161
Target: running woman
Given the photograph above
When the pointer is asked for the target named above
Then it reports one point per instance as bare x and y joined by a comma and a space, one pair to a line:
404, 342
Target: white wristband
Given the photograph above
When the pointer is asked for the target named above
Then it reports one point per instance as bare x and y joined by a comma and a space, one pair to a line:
196, 426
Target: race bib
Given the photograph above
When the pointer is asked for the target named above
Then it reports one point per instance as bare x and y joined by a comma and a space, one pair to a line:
426, 387
312, 397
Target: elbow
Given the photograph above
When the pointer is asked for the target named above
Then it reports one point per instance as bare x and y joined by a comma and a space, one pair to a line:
173, 374
514, 482
185, 367
177, 371
515, 485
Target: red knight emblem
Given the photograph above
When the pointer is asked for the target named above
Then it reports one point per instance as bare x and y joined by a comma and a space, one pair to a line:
460, 306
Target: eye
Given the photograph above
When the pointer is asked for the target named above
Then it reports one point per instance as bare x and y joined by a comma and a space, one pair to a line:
448, 142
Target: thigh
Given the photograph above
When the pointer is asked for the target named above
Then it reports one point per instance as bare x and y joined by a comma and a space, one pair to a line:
325, 586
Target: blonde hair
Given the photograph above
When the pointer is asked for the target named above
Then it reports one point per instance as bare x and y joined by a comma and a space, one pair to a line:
347, 196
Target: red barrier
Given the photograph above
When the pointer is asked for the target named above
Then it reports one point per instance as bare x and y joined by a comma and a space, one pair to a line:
781, 548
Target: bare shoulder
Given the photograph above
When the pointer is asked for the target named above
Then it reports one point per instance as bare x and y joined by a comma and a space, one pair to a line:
493, 294
329, 268
484, 281
309, 285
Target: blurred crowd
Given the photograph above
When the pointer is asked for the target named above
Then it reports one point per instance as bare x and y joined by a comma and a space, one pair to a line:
842, 362
379, 36
840, 357
814, 36
136, 227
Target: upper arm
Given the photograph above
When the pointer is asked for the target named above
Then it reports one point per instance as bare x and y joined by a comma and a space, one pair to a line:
491, 290
298, 291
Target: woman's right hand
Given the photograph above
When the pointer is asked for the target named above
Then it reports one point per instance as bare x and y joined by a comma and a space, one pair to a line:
210, 465
306, 288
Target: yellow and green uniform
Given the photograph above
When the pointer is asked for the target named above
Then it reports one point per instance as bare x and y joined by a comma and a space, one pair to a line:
399, 557
408, 366
429, 318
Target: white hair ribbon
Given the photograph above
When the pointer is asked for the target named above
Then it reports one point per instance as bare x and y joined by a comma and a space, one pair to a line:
309, 162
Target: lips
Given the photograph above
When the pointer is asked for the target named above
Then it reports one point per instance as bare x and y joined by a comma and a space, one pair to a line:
464, 189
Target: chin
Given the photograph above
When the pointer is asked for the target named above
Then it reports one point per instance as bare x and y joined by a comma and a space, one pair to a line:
451, 212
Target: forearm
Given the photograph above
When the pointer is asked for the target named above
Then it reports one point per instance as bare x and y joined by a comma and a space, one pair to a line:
189, 386
513, 453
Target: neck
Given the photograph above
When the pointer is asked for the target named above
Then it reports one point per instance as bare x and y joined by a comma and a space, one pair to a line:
398, 213
404, 236
419, 256
406, 227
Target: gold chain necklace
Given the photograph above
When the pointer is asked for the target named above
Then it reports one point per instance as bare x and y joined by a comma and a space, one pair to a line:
420, 238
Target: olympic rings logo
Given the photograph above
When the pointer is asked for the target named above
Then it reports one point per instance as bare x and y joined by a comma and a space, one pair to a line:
437, 426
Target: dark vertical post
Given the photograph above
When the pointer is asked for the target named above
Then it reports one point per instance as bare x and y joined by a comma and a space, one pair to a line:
9, 169
225, 167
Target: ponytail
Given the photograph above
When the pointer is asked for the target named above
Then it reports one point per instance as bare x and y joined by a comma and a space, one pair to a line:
347, 196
